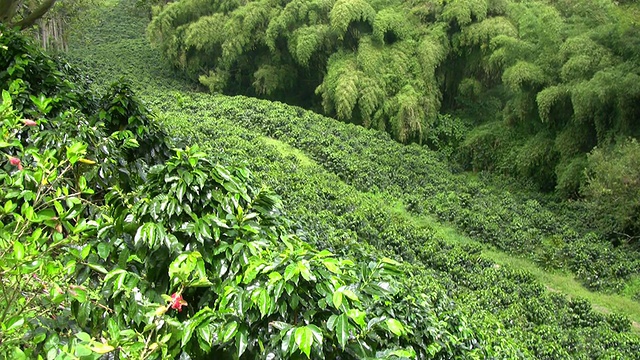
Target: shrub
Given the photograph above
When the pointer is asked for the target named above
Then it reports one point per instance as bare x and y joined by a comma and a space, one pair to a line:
613, 188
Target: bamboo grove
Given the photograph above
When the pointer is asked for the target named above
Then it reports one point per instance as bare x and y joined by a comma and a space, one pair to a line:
540, 82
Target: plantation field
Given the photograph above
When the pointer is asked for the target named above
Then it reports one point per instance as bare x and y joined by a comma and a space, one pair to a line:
516, 266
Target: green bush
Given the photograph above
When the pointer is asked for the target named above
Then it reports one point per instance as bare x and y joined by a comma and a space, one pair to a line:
613, 188
368, 161
541, 69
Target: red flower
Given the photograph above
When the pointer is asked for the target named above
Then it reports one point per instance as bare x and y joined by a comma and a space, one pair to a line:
16, 162
177, 302
29, 122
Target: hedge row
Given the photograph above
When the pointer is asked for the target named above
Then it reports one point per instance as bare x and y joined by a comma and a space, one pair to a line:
417, 177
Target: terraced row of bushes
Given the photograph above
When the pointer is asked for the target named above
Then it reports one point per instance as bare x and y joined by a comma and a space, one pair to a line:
371, 162
342, 218
554, 236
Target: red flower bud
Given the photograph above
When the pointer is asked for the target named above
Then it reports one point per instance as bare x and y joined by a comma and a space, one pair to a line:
15, 162
29, 122
177, 302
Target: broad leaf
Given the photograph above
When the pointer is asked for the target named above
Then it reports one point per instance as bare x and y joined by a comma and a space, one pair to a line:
242, 340
342, 328
304, 340
395, 327
229, 331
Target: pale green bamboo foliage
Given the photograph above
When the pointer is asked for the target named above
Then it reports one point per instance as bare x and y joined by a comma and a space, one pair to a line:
551, 70
569, 72
464, 12
367, 60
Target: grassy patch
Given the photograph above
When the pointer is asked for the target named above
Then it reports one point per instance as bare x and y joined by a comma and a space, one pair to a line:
553, 281
287, 150
567, 285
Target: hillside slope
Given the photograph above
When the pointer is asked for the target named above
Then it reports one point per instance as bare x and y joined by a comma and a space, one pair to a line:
347, 183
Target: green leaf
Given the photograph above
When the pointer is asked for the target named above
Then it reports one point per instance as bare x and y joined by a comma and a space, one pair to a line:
304, 340
205, 337
18, 250
303, 267
13, 323
84, 337
184, 265
386, 260
277, 290
114, 330
104, 250
375, 321
408, 353
288, 345
229, 331
9, 206
280, 325
82, 351
317, 334
332, 265
337, 299
75, 151
291, 271
323, 254
82, 183
98, 268
78, 293
18, 354
263, 301
342, 330
242, 341
253, 270
85, 252
180, 190
46, 214
395, 327
358, 316
331, 323
350, 294
101, 348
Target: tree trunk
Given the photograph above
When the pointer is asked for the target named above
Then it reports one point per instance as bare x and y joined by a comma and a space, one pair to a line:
8, 10
35, 15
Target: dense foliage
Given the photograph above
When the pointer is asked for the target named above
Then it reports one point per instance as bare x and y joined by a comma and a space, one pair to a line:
547, 325
112, 243
352, 221
368, 161
541, 82
613, 187
17, 13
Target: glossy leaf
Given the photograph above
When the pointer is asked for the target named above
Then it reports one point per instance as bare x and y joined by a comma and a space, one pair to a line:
342, 330
229, 331
242, 340
304, 339
395, 327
